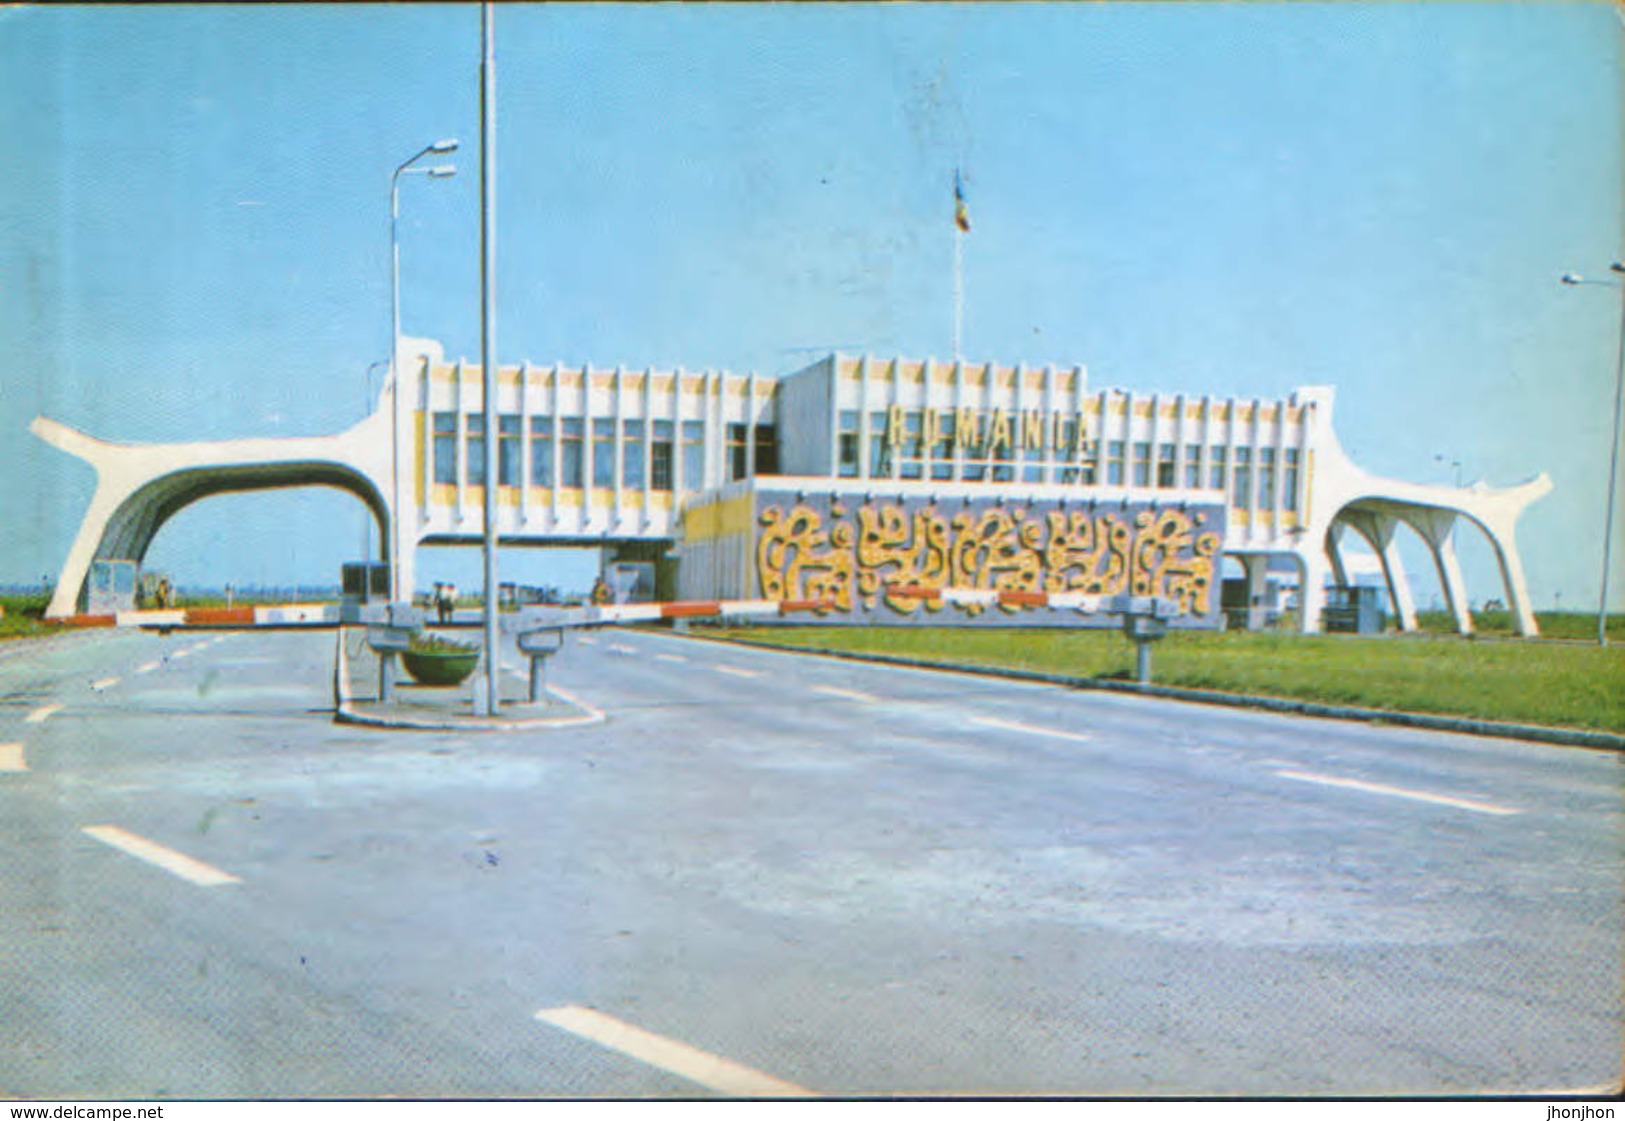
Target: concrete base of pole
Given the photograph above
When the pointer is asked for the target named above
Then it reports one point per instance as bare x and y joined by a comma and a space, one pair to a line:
1142, 662
483, 705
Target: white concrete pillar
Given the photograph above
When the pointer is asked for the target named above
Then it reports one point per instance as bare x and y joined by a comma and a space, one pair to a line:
1313, 568
1378, 529
1438, 528
1256, 565
1504, 541
1334, 554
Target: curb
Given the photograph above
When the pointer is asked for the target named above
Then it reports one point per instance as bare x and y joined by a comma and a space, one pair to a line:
1539, 733
345, 712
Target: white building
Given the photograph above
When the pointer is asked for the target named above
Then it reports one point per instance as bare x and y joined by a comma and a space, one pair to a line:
860, 475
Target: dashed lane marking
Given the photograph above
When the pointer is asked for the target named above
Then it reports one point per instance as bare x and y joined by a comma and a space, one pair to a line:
845, 694
180, 654
670, 658
11, 757
175, 863
587, 640
737, 672
701, 1067
1400, 792
104, 683
1028, 729
621, 649
148, 667
42, 714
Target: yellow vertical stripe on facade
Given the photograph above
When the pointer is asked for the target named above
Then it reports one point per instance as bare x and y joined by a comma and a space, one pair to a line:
419, 440
718, 519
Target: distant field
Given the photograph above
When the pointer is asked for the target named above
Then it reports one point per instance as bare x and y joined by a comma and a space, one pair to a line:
1560, 684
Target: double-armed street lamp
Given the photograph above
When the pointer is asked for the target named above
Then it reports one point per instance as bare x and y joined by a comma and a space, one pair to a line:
438, 171
1613, 452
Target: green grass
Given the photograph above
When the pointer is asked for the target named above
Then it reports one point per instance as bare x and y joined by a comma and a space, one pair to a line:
24, 616
1558, 684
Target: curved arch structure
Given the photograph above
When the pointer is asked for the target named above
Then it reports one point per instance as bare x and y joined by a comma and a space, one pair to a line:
1342, 496
139, 487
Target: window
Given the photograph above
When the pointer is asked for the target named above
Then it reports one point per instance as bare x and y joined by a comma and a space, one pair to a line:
1217, 478
508, 450
1088, 462
738, 451
476, 449
1033, 471
880, 454
660, 476
942, 452
1142, 463
1193, 465
541, 451
847, 445
1289, 495
603, 452
1165, 465
1114, 463
1066, 468
632, 454
1243, 493
913, 449
445, 448
767, 449
571, 432
1266, 477
693, 454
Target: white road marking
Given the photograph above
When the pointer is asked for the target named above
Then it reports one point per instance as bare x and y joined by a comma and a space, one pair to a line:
1028, 729
702, 1067
11, 757
42, 714
591, 710
180, 653
1400, 792
148, 668
670, 658
104, 683
176, 863
846, 694
619, 649
587, 640
737, 672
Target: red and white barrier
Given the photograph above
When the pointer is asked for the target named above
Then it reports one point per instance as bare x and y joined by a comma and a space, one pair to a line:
989, 597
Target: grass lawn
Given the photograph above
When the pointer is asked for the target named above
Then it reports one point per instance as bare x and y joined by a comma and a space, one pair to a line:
1559, 684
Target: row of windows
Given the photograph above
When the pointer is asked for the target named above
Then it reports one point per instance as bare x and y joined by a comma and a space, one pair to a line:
567, 464
1120, 465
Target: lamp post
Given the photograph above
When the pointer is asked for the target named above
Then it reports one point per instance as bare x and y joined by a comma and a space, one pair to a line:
1613, 451
445, 171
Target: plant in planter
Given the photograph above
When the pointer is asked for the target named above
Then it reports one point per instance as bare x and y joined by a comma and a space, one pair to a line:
432, 660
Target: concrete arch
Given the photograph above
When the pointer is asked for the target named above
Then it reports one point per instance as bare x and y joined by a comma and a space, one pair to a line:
1376, 517
139, 487
131, 528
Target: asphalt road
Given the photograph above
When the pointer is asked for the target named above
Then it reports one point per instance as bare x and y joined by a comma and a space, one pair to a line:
768, 872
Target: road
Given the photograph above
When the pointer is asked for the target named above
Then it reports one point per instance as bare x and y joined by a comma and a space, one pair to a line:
769, 873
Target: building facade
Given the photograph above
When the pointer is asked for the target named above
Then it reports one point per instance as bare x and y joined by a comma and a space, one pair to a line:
865, 481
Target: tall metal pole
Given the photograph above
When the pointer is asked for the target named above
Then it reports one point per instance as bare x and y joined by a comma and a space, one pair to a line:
487, 690
1613, 475
397, 496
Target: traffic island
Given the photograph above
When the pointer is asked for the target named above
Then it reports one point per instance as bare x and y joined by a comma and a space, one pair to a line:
367, 693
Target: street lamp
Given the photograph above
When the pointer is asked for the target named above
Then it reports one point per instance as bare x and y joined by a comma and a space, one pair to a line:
1613, 451
444, 171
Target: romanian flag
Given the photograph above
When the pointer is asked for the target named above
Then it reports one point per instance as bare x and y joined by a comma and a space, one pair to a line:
961, 214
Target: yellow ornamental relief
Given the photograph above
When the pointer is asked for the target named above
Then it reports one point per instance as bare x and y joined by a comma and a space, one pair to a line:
892, 552
795, 559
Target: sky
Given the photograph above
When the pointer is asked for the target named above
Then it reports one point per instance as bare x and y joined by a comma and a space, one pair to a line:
1201, 197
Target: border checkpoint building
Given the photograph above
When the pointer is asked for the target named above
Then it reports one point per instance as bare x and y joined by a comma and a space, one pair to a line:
870, 483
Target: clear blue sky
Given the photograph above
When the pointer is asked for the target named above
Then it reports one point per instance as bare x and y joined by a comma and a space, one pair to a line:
1204, 197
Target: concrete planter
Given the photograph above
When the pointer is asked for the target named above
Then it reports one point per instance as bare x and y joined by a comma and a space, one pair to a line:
436, 667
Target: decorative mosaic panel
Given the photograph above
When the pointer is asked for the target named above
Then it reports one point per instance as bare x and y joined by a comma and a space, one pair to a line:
872, 557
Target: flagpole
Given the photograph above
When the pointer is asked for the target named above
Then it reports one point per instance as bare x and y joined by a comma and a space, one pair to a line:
959, 288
